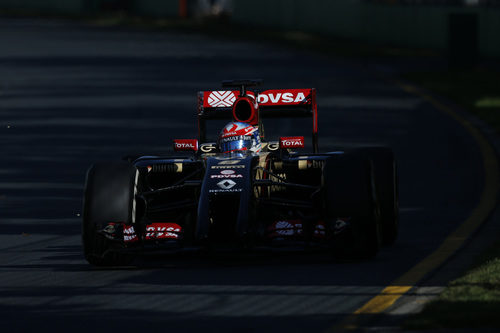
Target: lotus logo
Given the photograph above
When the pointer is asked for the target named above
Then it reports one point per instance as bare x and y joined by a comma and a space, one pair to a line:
226, 184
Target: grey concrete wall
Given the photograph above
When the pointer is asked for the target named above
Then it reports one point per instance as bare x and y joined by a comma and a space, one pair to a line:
412, 26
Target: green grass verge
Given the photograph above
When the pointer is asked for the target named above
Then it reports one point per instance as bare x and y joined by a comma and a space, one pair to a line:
471, 301
476, 90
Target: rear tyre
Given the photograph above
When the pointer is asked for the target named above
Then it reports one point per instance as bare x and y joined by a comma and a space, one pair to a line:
385, 171
350, 197
109, 197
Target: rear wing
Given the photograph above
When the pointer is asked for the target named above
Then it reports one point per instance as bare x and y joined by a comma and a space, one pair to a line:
273, 103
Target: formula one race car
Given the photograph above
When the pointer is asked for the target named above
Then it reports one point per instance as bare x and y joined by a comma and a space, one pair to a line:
242, 192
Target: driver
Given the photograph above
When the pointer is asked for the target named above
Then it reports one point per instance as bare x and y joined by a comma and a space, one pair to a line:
239, 137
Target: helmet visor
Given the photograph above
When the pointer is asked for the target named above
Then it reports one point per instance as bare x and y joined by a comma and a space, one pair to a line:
236, 143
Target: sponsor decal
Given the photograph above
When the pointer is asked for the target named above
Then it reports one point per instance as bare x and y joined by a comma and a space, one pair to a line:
320, 230
272, 146
315, 164
226, 176
109, 229
185, 144
228, 162
267, 97
237, 138
219, 99
228, 166
292, 142
226, 184
208, 147
227, 172
232, 190
285, 228
281, 98
341, 224
236, 129
163, 231
129, 234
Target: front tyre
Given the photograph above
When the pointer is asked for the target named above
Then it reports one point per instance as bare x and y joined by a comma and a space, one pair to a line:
109, 197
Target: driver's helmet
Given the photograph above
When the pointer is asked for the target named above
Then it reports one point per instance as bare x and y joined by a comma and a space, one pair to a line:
239, 137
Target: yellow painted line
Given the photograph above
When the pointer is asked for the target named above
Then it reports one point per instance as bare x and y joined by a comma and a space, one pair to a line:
488, 201
385, 299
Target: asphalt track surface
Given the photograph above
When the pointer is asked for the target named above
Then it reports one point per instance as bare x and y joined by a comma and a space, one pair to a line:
71, 95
